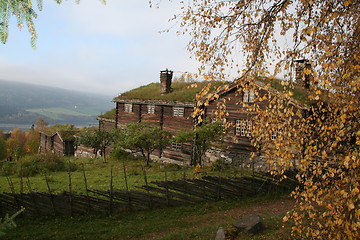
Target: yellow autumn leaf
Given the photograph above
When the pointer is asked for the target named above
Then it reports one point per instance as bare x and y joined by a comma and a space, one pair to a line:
307, 71
351, 205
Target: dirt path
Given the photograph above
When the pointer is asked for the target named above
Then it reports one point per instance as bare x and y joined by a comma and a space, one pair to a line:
273, 207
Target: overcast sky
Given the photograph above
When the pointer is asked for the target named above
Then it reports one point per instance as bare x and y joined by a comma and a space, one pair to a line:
91, 47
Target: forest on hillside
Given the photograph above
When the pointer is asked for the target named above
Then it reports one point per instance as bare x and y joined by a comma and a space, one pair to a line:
24, 103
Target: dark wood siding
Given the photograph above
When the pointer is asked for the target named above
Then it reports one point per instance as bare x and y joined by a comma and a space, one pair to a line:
124, 118
58, 145
174, 123
236, 110
152, 118
106, 124
46, 143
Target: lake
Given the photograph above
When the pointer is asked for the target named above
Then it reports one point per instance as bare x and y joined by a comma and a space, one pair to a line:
10, 126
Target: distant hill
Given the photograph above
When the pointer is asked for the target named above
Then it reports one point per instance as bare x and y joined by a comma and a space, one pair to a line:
24, 103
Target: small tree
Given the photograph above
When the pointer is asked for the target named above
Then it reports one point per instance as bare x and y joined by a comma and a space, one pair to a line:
203, 137
16, 143
143, 138
32, 141
97, 139
3, 147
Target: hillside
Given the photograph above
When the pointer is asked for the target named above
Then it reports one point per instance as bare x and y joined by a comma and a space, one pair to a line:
24, 103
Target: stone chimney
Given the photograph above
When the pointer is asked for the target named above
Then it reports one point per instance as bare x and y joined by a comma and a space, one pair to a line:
165, 81
303, 74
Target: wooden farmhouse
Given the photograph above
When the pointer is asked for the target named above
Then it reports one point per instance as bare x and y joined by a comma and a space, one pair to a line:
167, 105
60, 142
235, 107
171, 107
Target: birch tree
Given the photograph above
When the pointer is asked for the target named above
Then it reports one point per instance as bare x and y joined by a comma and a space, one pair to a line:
271, 36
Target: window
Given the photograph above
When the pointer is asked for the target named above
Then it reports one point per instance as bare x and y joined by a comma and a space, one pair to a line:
178, 111
273, 136
128, 107
249, 96
151, 109
243, 128
176, 146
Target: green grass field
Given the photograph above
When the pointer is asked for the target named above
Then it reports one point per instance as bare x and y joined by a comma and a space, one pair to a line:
196, 221
193, 221
57, 113
97, 174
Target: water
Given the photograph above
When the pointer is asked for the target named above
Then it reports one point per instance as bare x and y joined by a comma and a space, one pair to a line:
7, 127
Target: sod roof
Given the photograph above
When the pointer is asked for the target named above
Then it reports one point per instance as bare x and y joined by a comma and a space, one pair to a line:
111, 114
66, 131
180, 92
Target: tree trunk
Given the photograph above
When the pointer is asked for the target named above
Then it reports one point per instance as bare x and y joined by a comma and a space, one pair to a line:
148, 159
103, 150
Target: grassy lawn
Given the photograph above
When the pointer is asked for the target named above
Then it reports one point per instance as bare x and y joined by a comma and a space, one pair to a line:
197, 221
98, 175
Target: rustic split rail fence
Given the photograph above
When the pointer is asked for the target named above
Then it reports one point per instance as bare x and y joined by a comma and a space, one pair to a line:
154, 195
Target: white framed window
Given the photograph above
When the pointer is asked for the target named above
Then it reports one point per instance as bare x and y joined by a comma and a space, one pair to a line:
151, 109
128, 107
176, 146
273, 136
243, 128
249, 96
178, 111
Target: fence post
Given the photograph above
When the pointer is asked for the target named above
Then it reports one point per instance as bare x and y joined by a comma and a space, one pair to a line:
111, 191
147, 187
12, 188
127, 186
50, 194
166, 185
219, 183
31, 194
86, 188
21, 179
70, 189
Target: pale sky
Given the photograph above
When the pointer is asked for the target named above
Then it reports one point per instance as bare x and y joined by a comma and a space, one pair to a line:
107, 49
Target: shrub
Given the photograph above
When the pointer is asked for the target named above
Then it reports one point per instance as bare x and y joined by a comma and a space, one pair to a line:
32, 165
220, 164
119, 154
8, 168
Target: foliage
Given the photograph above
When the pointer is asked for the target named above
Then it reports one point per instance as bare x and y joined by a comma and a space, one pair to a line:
97, 139
24, 12
32, 165
8, 222
32, 141
16, 144
3, 147
220, 164
143, 138
324, 141
202, 138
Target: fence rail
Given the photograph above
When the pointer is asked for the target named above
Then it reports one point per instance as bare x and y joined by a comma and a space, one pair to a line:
157, 194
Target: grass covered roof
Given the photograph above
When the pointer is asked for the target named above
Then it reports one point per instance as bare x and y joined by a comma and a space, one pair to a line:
111, 114
180, 91
66, 131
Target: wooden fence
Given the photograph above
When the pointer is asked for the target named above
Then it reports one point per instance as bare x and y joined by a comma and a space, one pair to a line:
153, 195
